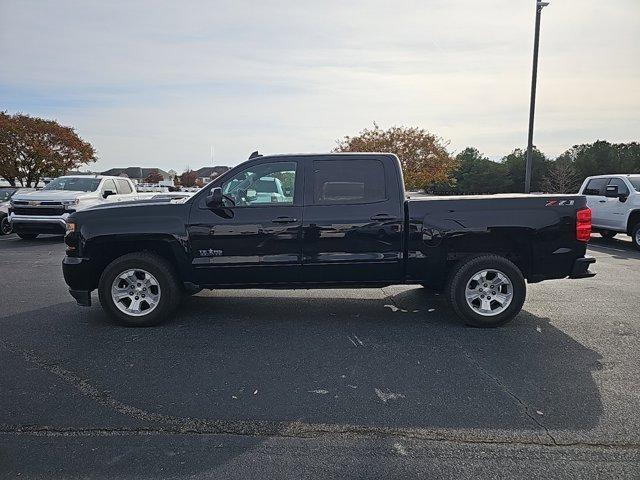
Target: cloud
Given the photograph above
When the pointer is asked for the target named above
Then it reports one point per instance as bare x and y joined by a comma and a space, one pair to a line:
157, 83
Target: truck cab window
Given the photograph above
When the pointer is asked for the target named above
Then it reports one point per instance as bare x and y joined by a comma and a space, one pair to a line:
123, 187
263, 184
595, 186
622, 187
348, 182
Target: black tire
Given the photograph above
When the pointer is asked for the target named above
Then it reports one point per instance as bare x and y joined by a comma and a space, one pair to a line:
635, 236
462, 274
27, 236
157, 266
608, 234
5, 225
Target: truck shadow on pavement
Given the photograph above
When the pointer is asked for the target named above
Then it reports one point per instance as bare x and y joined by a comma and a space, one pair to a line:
266, 361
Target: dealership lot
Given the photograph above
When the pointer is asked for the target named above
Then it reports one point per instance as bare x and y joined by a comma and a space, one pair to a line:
338, 383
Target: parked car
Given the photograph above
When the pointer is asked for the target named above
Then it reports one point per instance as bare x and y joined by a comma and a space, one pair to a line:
46, 210
5, 196
615, 205
346, 223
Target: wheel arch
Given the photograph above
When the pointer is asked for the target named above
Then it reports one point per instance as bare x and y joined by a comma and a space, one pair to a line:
103, 250
633, 220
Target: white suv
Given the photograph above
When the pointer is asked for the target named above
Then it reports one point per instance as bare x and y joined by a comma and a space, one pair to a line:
46, 210
614, 201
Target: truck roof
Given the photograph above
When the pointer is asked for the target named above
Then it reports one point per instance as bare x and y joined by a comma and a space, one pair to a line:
616, 175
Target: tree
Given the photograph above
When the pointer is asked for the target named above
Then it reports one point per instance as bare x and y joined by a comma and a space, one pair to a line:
32, 148
515, 165
561, 177
478, 174
188, 178
602, 157
424, 157
154, 177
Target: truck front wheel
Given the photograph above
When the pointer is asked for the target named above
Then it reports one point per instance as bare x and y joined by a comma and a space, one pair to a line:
486, 290
139, 289
635, 236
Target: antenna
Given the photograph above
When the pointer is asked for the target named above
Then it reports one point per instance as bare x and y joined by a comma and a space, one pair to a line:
254, 155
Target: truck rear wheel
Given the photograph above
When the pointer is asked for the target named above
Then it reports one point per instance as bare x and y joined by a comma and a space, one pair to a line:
139, 289
486, 290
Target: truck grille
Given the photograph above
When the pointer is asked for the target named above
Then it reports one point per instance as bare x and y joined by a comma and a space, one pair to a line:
19, 210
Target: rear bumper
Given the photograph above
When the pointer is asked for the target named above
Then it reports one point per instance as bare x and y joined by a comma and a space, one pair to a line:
581, 268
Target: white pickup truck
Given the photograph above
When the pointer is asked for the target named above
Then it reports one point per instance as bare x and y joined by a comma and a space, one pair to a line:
614, 201
46, 210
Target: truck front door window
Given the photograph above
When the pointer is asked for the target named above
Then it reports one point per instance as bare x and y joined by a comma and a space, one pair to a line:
262, 184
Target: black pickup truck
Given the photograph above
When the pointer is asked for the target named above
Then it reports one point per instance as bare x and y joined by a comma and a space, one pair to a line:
319, 221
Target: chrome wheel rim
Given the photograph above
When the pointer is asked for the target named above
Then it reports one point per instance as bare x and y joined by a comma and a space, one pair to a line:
489, 292
136, 292
5, 226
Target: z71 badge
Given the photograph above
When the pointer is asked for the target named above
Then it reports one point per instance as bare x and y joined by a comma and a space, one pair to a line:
210, 253
559, 203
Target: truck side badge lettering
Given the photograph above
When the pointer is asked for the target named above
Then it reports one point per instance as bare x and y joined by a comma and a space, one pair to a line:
210, 253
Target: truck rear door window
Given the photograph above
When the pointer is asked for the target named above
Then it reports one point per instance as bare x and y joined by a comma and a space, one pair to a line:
595, 186
348, 182
123, 187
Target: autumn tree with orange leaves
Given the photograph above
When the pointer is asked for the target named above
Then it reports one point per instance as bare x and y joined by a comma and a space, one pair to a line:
32, 148
424, 156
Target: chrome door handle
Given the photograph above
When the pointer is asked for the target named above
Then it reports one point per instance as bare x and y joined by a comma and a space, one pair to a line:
284, 220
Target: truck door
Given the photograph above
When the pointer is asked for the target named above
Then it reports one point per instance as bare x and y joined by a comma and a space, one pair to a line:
353, 218
256, 238
615, 210
596, 201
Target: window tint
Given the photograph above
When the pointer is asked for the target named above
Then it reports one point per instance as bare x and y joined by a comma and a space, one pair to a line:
262, 184
635, 181
595, 186
348, 181
622, 187
123, 187
109, 185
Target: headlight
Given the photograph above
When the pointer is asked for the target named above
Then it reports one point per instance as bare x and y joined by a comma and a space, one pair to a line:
71, 227
69, 203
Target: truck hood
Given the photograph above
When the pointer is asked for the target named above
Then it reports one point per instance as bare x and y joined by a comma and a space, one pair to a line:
52, 196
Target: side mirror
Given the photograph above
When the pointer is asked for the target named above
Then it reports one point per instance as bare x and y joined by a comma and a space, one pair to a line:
107, 193
214, 199
611, 191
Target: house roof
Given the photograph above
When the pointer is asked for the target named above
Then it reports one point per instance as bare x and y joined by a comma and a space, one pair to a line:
138, 173
211, 171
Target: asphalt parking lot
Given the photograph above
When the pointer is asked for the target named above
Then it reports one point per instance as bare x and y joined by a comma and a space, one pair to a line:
330, 384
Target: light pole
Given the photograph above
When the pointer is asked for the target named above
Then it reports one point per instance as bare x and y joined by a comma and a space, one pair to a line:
532, 108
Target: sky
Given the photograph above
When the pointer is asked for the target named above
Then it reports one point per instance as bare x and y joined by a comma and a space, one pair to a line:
161, 84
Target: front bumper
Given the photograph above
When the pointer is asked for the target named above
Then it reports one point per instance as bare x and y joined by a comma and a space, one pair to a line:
39, 223
581, 268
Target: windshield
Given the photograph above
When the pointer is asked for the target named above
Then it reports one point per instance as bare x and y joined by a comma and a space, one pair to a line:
635, 182
5, 194
74, 184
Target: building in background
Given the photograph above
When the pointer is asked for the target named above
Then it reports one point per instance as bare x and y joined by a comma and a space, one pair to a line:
205, 174
138, 174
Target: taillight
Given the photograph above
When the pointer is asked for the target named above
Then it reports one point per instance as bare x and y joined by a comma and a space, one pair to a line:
583, 224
